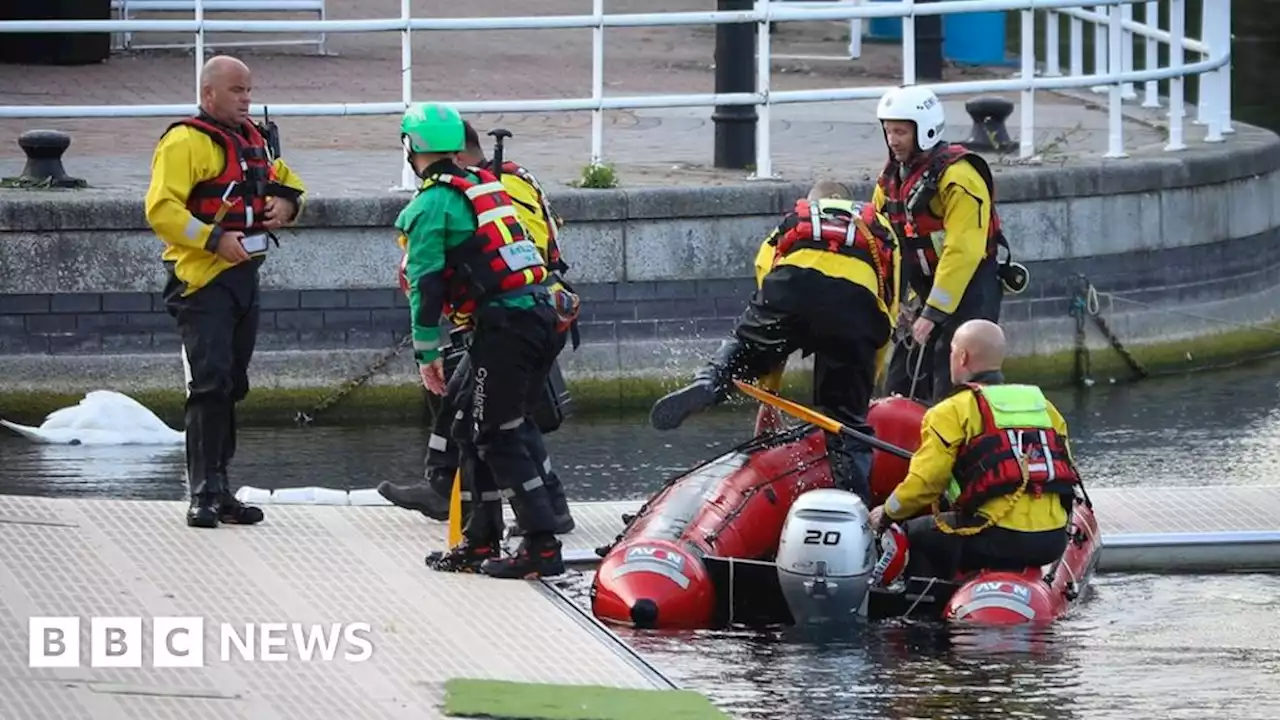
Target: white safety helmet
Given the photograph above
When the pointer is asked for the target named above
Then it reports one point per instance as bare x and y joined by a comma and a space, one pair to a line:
918, 105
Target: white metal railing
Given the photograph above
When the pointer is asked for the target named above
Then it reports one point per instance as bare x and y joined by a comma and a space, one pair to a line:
125, 10
1112, 20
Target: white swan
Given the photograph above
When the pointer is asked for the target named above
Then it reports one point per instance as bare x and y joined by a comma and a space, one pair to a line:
103, 417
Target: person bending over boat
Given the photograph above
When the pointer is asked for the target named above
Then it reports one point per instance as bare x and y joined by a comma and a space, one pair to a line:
468, 256
939, 197
430, 496
1006, 447
827, 281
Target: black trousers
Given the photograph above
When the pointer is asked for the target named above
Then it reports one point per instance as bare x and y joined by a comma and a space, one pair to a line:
841, 324
219, 328
934, 553
510, 357
981, 301
443, 458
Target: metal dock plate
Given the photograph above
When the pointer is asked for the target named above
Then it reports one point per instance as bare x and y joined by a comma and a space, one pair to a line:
304, 564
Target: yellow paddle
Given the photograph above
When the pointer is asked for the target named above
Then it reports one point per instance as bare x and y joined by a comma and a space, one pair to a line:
455, 510
814, 417
768, 419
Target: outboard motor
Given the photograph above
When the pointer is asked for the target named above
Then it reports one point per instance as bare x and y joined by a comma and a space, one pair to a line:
826, 556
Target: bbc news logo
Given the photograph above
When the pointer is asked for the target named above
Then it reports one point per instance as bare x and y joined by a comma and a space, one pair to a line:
179, 642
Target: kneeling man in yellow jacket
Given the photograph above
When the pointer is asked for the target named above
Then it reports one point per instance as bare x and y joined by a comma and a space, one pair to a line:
1000, 453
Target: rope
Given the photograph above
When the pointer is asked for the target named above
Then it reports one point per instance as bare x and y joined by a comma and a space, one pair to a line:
1112, 297
920, 596
942, 525
915, 372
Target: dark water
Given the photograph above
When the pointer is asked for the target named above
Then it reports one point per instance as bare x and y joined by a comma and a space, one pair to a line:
1139, 647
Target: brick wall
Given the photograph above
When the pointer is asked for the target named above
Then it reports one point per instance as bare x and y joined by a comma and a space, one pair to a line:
317, 319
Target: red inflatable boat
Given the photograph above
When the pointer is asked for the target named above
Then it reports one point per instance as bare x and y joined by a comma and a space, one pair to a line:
699, 553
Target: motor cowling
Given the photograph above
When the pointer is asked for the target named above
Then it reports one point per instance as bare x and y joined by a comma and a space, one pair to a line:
825, 557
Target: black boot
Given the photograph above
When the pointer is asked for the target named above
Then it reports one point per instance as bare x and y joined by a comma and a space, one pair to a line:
850, 464
203, 513
234, 512
466, 557
710, 386
208, 421
537, 556
425, 497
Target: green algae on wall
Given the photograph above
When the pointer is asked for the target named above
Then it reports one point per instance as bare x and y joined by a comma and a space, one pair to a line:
411, 404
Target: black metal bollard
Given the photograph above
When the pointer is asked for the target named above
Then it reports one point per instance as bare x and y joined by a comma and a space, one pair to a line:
989, 132
44, 149
735, 58
928, 46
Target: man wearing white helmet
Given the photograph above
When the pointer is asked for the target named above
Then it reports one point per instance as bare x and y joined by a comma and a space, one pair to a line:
939, 198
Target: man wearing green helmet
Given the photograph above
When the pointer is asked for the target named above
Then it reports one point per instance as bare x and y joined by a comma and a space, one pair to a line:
468, 258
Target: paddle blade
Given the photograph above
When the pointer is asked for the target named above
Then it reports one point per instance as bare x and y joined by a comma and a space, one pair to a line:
793, 409
768, 419
455, 510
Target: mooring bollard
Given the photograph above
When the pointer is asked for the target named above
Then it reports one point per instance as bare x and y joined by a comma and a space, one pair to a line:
989, 132
44, 149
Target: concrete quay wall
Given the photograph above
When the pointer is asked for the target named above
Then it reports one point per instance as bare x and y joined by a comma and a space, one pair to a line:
1182, 247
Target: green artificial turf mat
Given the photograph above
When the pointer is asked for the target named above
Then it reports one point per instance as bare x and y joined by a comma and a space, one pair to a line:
466, 697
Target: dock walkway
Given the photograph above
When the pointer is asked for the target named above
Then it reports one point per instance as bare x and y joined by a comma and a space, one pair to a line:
107, 558
364, 564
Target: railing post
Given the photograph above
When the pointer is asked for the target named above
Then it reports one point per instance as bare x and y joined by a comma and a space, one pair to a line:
1211, 82
1204, 81
855, 33
1076, 36
764, 74
199, 43
408, 179
1115, 103
1224, 73
597, 82
1052, 57
1177, 102
735, 144
1100, 47
1027, 113
909, 45
1126, 51
928, 46
1151, 49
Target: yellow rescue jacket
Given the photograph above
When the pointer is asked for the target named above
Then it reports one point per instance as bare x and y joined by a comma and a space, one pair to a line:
840, 267
184, 158
947, 427
964, 204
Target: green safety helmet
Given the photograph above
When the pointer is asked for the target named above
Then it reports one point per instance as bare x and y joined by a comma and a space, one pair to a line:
432, 127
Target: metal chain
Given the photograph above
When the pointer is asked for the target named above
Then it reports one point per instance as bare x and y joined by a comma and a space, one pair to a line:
1085, 304
304, 419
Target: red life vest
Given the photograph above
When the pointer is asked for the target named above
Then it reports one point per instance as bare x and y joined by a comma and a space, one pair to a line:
907, 203
498, 259
987, 467
835, 231
554, 261
247, 165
